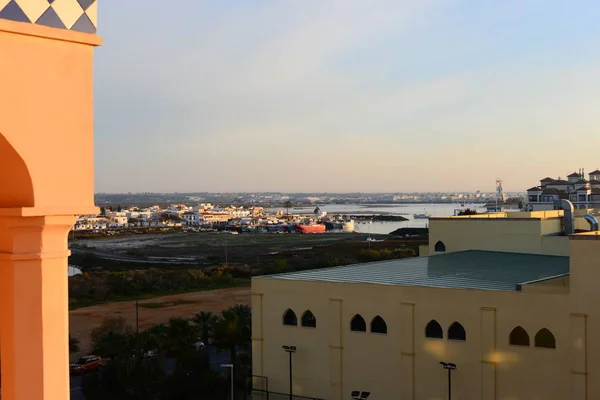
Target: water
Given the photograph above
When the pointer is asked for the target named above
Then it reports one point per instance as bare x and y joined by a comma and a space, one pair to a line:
405, 210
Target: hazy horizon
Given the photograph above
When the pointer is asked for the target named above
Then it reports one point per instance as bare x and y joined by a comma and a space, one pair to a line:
344, 96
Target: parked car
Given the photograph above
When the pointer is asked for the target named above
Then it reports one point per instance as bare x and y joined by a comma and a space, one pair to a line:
86, 364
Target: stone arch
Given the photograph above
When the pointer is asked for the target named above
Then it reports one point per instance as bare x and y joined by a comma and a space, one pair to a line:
16, 187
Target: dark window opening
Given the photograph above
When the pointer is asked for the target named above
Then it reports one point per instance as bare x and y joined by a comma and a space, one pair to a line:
289, 318
545, 338
457, 332
378, 325
440, 246
309, 320
358, 324
519, 337
434, 330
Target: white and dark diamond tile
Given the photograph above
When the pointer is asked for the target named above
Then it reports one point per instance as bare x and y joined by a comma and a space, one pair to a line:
33, 8
68, 11
51, 19
13, 12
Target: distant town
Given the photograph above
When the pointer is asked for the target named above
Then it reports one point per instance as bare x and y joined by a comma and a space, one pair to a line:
269, 199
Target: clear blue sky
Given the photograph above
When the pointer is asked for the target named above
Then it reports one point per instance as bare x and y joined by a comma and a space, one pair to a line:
345, 95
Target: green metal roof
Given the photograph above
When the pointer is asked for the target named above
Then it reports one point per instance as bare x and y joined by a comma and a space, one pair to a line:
474, 269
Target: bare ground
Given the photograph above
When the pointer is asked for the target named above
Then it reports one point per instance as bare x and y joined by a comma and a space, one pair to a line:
154, 311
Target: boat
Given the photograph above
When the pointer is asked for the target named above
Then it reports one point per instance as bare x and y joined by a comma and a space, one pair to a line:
421, 216
348, 226
370, 239
313, 228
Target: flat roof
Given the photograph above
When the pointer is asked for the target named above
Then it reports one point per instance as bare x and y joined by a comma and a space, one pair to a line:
473, 269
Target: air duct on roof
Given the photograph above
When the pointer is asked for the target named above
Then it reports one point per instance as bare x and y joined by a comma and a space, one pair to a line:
593, 221
569, 218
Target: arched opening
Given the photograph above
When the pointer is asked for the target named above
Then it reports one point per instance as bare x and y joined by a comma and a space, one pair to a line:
309, 320
545, 338
434, 330
289, 318
358, 324
378, 325
16, 188
440, 246
457, 332
519, 337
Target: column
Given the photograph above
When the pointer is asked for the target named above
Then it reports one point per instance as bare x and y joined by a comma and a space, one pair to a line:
579, 350
34, 298
407, 349
488, 349
258, 382
336, 348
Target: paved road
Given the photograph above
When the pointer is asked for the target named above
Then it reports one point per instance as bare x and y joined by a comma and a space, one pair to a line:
76, 393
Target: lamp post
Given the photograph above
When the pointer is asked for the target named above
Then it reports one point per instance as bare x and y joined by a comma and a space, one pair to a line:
137, 315
290, 350
230, 366
450, 367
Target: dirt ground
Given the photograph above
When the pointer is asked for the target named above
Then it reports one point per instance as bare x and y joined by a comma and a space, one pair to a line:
154, 311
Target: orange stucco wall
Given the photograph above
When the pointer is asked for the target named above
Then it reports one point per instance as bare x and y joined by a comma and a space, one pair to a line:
46, 179
46, 117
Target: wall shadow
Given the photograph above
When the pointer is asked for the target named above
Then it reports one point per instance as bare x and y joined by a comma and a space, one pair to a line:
16, 187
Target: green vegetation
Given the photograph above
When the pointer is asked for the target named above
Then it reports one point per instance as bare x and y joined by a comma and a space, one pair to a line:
167, 361
99, 286
248, 255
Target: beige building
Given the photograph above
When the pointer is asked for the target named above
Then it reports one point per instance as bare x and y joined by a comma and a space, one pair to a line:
511, 299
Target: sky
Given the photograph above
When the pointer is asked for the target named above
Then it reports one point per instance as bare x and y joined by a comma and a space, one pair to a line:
344, 95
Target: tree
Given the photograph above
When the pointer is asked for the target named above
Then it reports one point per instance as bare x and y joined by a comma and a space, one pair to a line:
73, 345
111, 324
233, 330
112, 345
287, 205
317, 211
205, 321
179, 340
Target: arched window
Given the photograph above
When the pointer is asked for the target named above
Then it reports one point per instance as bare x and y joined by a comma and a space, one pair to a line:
519, 337
457, 332
434, 330
289, 318
309, 320
358, 324
545, 338
378, 325
440, 246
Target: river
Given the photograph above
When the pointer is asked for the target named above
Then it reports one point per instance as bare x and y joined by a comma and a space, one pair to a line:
405, 210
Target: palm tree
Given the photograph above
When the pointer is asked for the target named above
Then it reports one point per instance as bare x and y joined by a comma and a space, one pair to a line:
287, 205
205, 321
317, 211
180, 338
233, 330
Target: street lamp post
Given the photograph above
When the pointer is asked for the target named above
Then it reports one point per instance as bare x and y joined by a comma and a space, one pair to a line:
450, 367
230, 366
290, 350
137, 315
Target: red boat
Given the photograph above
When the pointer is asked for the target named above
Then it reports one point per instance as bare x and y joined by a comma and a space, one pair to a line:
316, 228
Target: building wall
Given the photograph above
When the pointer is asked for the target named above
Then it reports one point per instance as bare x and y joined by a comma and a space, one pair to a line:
492, 234
52, 104
537, 232
331, 360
